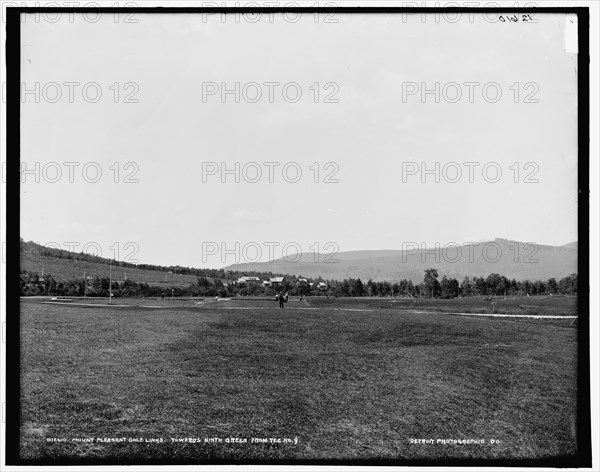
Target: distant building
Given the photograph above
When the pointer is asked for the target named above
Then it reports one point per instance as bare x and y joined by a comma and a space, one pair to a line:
274, 281
304, 281
245, 279
322, 286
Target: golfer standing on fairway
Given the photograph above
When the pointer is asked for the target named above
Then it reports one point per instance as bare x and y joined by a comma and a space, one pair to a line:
280, 299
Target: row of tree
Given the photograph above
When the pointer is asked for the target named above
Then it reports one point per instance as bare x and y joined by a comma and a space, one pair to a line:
494, 284
431, 287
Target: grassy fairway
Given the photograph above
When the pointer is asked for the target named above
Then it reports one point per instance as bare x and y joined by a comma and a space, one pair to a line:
345, 384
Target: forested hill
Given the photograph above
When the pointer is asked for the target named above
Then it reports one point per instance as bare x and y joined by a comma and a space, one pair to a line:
67, 265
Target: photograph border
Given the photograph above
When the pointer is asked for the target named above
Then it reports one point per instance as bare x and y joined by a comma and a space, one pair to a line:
13, 367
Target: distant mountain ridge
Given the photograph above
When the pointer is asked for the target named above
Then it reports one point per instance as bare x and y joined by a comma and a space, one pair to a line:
513, 259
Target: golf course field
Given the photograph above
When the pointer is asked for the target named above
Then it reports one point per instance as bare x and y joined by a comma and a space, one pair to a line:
240, 380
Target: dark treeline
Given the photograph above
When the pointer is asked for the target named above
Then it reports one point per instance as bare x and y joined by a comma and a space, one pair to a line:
432, 286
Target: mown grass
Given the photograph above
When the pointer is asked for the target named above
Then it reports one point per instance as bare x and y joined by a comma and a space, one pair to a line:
348, 385
560, 305
514, 305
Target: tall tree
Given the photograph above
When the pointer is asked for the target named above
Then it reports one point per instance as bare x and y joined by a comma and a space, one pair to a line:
358, 288
552, 286
430, 283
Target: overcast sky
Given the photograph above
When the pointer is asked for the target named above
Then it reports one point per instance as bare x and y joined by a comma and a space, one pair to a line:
361, 122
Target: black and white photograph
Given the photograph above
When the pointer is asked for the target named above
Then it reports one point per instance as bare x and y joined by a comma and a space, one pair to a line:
299, 234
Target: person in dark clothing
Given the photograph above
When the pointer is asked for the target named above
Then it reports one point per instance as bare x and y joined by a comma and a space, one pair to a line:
280, 299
